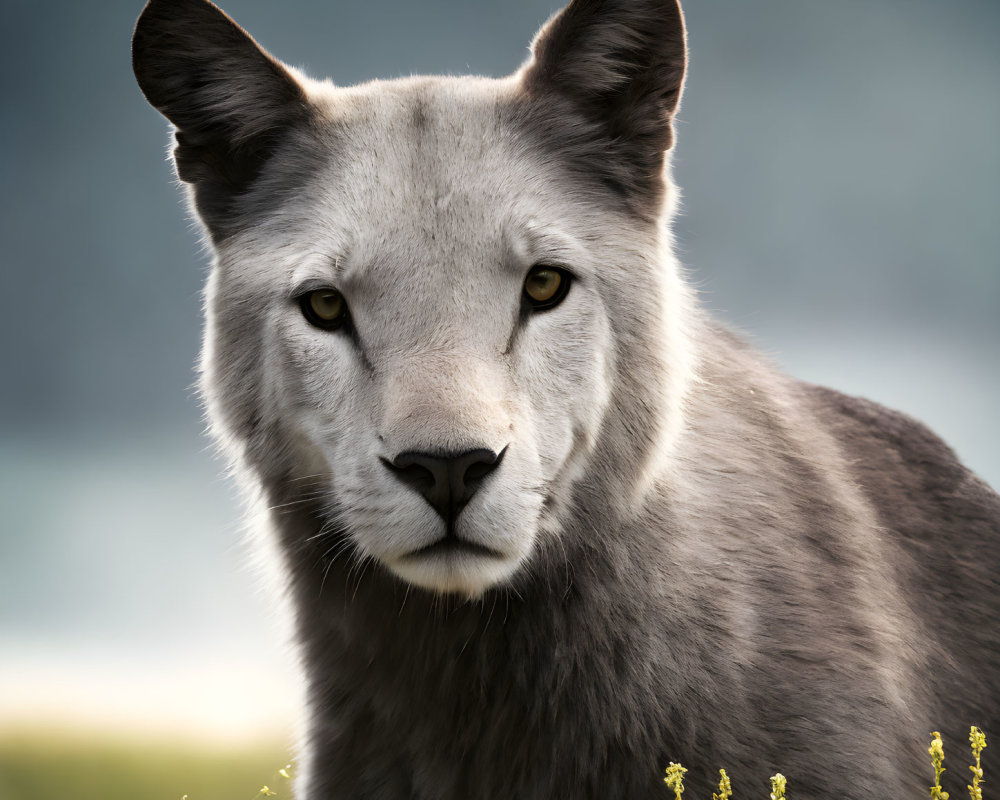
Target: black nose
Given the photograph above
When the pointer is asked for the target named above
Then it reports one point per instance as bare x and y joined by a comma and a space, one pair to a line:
447, 481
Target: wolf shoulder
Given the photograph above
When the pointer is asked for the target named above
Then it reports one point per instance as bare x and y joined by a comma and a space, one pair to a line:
915, 481
941, 526
809, 449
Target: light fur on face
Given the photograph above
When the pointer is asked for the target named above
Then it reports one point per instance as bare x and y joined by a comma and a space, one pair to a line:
432, 266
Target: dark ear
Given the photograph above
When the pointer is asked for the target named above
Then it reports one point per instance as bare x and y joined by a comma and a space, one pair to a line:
231, 101
616, 68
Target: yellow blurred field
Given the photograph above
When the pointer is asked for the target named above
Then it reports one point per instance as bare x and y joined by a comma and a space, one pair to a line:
61, 765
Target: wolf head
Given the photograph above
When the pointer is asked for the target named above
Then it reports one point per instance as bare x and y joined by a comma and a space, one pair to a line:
442, 310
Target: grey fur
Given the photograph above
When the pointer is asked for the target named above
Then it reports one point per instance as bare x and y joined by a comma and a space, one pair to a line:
702, 560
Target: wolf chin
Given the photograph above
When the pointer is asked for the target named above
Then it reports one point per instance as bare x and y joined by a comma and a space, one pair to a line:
544, 525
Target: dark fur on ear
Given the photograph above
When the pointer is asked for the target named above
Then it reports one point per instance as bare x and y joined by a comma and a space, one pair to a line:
231, 101
610, 73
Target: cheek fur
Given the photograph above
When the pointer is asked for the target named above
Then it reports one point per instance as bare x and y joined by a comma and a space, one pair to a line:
564, 372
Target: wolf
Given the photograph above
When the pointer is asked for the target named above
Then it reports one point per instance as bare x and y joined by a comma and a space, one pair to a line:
544, 525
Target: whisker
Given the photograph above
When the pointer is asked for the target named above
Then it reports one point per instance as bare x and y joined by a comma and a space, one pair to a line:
324, 475
490, 617
308, 497
324, 531
340, 547
357, 583
336, 550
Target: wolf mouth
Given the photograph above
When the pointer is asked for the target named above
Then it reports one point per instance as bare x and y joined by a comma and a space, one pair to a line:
452, 544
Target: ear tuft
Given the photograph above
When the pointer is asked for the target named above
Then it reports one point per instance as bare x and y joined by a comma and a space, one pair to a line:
618, 67
231, 101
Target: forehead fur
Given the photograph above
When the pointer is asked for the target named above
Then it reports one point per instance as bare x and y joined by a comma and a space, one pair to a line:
451, 166
421, 133
434, 140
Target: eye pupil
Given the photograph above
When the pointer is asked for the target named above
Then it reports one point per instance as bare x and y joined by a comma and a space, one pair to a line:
326, 304
545, 286
324, 308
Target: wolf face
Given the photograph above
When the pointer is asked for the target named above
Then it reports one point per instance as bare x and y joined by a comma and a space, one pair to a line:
443, 414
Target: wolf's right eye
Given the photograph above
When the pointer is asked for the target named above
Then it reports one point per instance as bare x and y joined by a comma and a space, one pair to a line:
545, 286
324, 308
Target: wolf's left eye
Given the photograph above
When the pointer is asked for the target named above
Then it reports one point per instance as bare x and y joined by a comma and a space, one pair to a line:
324, 308
546, 286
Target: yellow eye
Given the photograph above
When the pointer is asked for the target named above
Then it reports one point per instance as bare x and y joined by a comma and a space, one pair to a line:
546, 286
324, 308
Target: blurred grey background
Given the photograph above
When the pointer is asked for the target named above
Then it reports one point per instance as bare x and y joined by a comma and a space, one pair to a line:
841, 170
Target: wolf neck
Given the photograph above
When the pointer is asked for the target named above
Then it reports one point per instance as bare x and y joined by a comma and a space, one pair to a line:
571, 636
679, 356
658, 369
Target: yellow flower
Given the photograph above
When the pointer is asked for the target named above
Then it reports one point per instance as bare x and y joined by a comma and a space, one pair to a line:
675, 779
936, 751
978, 741
725, 788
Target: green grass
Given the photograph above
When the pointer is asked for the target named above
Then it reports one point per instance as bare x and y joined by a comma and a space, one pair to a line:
41, 765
